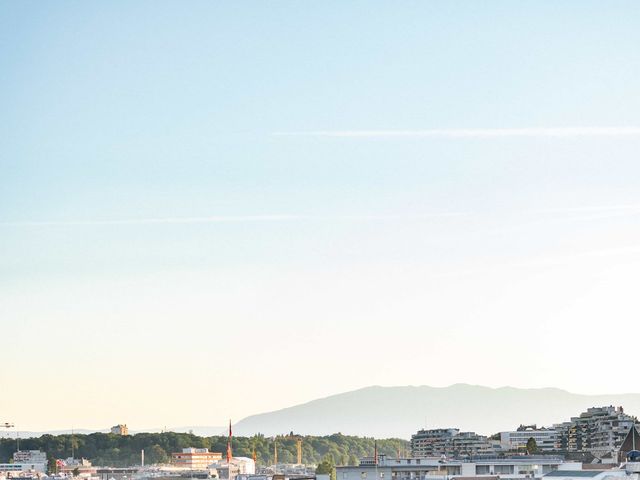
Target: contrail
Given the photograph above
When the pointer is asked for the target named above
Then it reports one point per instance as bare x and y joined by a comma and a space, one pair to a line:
151, 221
229, 219
475, 132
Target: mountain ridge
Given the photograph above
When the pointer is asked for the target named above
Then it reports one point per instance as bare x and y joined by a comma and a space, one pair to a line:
399, 411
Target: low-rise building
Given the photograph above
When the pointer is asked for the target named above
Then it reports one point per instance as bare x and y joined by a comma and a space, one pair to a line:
546, 438
238, 466
586, 475
23, 467
120, 429
26, 461
29, 456
435, 468
81, 466
195, 458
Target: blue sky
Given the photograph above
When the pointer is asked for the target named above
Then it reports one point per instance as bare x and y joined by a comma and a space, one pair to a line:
164, 189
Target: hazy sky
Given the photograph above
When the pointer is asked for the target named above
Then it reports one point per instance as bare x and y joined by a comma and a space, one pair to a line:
213, 209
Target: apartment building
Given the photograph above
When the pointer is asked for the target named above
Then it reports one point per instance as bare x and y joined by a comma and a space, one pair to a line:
195, 458
26, 461
450, 442
599, 430
514, 468
546, 438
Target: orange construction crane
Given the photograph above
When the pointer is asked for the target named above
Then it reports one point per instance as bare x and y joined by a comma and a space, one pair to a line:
299, 450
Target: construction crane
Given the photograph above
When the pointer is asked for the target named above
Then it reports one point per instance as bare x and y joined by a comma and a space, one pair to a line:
275, 454
299, 450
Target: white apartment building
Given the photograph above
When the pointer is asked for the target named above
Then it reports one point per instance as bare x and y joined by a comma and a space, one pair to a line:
239, 466
26, 461
546, 438
451, 442
29, 456
599, 430
195, 458
518, 467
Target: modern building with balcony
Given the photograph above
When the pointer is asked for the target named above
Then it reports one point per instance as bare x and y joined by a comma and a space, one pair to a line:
451, 442
513, 468
546, 438
599, 430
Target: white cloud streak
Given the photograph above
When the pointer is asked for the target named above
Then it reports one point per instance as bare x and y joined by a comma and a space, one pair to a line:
230, 219
591, 209
552, 214
475, 132
152, 221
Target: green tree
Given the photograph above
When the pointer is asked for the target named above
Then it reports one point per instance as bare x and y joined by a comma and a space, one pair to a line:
76, 472
156, 454
51, 464
108, 450
327, 466
532, 446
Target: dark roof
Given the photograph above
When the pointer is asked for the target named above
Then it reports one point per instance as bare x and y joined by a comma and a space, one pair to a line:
631, 441
599, 466
574, 473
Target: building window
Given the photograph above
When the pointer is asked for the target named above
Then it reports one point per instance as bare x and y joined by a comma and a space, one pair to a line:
503, 469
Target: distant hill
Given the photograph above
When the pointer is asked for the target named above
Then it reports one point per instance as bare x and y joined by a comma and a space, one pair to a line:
386, 412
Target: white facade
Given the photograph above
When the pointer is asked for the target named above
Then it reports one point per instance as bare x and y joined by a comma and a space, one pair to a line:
438, 469
599, 430
575, 471
195, 458
23, 467
26, 461
29, 456
239, 466
546, 439
451, 441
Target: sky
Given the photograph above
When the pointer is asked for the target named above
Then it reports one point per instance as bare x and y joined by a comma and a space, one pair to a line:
215, 209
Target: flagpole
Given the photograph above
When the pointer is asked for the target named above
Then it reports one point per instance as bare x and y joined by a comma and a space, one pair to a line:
229, 451
375, 457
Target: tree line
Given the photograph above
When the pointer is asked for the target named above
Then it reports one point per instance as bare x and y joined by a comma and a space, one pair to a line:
107, 449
